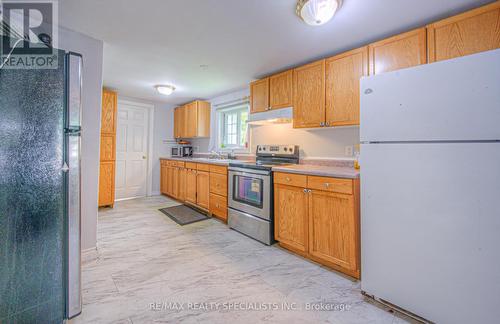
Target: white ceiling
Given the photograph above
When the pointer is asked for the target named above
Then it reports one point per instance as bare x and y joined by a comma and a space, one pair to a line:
148, 42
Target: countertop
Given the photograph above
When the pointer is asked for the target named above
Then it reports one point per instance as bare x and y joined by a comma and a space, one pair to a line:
308, 169
199, 160
319, 170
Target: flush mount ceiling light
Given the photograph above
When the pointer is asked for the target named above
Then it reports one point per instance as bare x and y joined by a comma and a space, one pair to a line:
316, 12
165, 89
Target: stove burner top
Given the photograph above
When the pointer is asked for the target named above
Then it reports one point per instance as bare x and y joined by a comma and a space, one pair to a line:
271, 155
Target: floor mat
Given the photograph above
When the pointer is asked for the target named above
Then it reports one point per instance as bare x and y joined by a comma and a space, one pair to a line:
183, 215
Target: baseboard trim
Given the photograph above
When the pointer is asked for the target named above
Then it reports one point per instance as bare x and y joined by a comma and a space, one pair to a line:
89, 255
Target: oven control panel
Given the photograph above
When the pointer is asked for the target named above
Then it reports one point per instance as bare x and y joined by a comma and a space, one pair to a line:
277, 149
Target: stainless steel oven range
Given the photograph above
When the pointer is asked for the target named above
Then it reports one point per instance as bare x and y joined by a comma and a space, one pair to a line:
251, 191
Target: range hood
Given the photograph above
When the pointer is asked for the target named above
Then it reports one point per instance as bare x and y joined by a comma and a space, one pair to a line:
275, 116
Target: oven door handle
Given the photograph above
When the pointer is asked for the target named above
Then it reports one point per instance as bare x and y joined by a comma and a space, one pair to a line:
246, 172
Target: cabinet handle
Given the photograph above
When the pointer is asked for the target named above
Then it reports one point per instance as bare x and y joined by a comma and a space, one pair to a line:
305, 190
288, 179
327, 185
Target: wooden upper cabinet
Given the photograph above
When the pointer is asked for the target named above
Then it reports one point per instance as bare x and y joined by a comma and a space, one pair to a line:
179, 122
333, 229
109, 107
280, 90
309, 95
398, 52
259, 95
291, 217
192, 120
343, 73
471, 32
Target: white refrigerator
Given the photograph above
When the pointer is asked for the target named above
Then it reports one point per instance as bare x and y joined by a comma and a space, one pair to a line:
430, 189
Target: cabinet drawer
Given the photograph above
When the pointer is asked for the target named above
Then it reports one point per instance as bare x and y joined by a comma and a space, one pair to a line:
297, 180
218, 206
203, 167
218, 184
190, 165
163, 162
218, 169
179, 164
330, 184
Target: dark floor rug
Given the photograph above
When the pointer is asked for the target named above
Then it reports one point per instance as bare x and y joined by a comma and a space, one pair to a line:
183, 215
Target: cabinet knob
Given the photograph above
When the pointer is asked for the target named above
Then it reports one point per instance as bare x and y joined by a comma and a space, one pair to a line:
327, 124
322, 124
288, 179
305, 190
327, 185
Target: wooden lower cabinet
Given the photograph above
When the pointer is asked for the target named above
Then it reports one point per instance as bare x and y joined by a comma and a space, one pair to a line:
163, 178
203, 189
291, 217
322, 225
218, 206
333, 228
191, 186
182, 184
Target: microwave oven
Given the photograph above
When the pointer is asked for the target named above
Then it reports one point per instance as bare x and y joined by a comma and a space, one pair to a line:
181, 151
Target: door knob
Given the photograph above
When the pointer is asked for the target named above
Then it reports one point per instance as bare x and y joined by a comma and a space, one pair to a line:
143, 157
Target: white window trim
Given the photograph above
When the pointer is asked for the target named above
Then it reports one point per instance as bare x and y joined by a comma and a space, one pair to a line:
220, 127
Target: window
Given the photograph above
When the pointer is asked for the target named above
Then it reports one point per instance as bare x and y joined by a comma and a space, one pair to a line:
233, 127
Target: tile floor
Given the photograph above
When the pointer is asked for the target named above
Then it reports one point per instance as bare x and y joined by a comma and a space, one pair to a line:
151, 270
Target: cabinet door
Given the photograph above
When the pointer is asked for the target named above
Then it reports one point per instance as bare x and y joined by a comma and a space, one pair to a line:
175, 182
191, 186
333, 229
203, 189
203, 115
170, 181
259, 95
191, 119
108, 150
309, 95
343, 73
106, 183
109, 106
474, 31
218, 184
182, 184
177, 122
398, 52
163, 179
280, 90
291, 217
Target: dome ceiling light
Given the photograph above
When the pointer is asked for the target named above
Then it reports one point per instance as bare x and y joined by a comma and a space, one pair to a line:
317, 12
166, 90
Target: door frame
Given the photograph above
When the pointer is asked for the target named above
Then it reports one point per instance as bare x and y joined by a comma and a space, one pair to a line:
149, 171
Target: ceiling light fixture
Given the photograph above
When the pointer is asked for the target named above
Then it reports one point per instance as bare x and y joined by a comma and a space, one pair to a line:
165, 89
317, 12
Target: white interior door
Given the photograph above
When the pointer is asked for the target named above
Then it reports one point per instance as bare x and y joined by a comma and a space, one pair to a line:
131, 151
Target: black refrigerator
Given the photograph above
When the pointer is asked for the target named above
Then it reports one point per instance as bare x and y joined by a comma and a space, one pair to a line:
40, 126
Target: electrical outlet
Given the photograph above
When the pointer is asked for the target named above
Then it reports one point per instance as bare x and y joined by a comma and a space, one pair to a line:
349, 150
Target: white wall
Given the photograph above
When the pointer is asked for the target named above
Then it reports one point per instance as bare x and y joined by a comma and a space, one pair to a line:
314, 143
163, 129
92, 51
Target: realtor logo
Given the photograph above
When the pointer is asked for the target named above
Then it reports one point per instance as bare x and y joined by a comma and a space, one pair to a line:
28, 34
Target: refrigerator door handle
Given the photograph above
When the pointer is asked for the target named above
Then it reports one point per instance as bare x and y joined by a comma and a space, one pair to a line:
73, 199
65, 167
